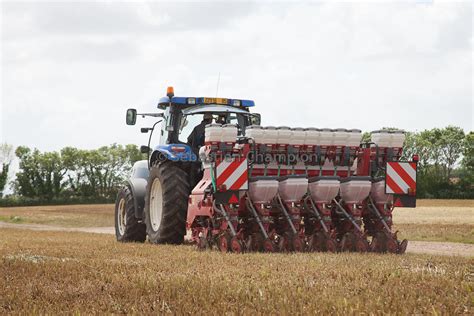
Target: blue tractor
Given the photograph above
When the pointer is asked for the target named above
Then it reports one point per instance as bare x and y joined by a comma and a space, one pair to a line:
154, 200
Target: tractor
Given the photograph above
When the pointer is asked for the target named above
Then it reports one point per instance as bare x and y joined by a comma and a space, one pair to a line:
220, 179
154, 200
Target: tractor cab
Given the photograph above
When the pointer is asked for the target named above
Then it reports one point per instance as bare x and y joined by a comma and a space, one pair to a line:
181, 115
156, 205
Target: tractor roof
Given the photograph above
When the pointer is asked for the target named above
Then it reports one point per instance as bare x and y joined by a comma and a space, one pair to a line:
214, 109
194, 101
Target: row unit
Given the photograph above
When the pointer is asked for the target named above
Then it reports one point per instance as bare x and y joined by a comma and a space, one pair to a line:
353, 189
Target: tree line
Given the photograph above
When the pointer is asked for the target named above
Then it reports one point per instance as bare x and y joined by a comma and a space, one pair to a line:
72, 174
445, 168
446, 162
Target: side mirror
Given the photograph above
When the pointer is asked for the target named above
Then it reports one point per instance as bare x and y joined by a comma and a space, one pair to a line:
256, 119
131, 116
145, 149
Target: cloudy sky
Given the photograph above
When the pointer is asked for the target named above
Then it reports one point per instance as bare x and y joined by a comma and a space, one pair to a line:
69, 71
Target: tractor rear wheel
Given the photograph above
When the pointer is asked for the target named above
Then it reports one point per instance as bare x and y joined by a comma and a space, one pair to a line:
166, 203
127, 227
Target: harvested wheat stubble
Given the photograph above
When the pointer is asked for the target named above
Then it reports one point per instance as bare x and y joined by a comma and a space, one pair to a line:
51, 272
451, 220
445, 203
61, 215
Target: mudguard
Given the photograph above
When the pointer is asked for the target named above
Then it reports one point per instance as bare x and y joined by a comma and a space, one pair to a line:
138, 188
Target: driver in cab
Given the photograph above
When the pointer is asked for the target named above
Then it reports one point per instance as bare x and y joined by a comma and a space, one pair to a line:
196, 138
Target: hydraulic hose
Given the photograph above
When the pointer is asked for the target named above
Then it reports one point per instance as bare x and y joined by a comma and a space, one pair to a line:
213, 180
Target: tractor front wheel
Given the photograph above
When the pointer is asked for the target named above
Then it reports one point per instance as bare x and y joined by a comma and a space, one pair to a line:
166, 203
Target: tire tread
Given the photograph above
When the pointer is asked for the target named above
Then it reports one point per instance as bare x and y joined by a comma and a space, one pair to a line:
175, 188
135, 231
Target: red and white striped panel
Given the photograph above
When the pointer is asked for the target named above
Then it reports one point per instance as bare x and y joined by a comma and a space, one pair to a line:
233, 174
400, 177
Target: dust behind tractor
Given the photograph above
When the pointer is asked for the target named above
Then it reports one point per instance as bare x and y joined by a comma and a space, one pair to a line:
248, 187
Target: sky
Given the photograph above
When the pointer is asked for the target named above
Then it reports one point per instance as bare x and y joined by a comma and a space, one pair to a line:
69, 71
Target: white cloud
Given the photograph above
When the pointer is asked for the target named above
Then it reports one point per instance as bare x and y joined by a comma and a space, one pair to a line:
70, 71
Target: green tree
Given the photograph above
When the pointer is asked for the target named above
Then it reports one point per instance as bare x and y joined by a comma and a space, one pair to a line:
468, 153
4, 177
451, 143
74, 172
6, 157
99, 172
74, 176
41, 174
365, 137
439, 151
466, 172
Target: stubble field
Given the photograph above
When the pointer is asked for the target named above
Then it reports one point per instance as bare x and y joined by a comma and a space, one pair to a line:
57, 272
432, 220
52, 272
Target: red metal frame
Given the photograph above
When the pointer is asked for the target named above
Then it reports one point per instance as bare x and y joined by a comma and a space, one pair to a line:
242, 229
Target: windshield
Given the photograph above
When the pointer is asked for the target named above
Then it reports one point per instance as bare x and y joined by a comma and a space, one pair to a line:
178, 124
189, 122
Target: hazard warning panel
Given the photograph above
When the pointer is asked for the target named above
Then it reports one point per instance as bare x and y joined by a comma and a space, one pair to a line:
400, 178
232, 174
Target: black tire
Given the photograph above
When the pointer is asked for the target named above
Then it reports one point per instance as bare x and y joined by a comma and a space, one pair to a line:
130, 230
169, 226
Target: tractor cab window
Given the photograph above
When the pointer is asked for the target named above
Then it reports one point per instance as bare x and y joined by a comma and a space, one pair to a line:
165, 126
187, 125
232, 118
189, 122
239, 120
